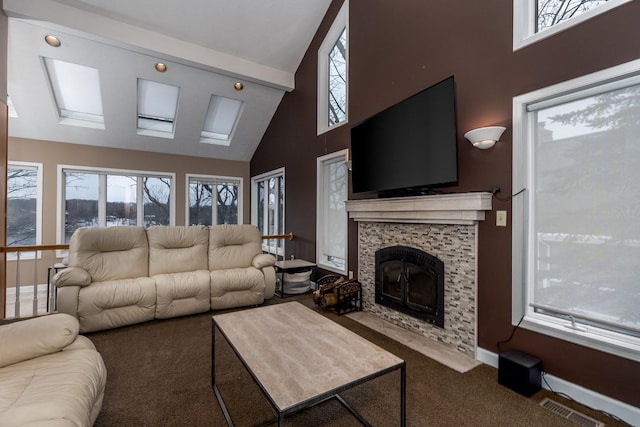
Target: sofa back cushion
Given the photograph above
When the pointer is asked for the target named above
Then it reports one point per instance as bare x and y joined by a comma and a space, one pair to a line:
233, 246
177, 249
110, 253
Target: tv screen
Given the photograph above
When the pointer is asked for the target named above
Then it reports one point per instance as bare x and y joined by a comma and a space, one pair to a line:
409, 147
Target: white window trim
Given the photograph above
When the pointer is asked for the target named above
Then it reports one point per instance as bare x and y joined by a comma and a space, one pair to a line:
320, 191
254, 191
187, 202
523, 128
39, 192
75, 168
340, 23
524, 21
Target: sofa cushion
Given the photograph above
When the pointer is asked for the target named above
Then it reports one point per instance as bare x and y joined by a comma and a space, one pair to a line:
106, 305
233, 246
179, 294
236, 287
59, 389
35, 337
177, 249
110, 253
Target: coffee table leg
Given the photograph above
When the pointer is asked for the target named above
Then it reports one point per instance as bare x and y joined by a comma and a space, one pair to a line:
403, 395
225, 412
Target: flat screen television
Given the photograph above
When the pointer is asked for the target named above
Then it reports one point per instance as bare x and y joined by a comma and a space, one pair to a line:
409, 148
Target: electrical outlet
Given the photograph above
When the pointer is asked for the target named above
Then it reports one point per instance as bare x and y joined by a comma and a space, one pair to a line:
350, 274
501, 218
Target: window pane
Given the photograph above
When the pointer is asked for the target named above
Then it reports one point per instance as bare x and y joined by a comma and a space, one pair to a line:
22, 206
157, 201
334, 213
552, 12
261, 207
199, 202
227, 203
586, 236
121, 200
338, 80
82, 193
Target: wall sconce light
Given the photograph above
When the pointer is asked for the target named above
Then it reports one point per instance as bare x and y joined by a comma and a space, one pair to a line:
486, 137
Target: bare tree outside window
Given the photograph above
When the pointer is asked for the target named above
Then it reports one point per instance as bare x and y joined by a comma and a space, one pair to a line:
22, 205
338, 80
552, 12
202, 193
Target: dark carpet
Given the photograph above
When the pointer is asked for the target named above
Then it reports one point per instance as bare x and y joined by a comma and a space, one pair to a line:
159, 374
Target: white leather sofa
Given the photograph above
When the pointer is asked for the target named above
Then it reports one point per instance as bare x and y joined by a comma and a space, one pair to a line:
49, 375
124, 275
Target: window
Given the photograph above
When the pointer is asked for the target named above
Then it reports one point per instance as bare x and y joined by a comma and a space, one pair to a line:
157, 107
577, 241
534, 20
203, 190
221, 119
76, 89
24, 205
333, 73
97, 197
331, 228
267, 208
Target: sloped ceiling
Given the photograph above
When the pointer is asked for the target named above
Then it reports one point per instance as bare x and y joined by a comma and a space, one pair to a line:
208, 45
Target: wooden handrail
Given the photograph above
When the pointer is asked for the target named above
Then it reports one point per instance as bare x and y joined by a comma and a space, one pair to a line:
32, 248
279, 236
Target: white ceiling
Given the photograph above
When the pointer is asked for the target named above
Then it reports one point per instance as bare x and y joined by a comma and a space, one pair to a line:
208, 45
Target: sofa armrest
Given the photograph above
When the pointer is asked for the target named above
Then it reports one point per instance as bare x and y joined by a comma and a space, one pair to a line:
263, 260
36, 337
71, 276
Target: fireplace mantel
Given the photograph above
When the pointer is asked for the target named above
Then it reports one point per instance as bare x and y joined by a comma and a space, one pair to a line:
455, 208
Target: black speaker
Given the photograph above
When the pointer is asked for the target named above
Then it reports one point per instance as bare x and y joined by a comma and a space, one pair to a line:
520, 372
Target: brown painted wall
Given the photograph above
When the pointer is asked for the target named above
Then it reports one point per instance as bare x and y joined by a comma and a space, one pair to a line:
400, 48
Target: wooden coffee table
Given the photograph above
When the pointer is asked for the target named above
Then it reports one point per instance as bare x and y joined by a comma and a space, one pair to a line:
288, 350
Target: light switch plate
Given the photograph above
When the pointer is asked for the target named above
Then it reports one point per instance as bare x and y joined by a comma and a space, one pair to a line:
501, 218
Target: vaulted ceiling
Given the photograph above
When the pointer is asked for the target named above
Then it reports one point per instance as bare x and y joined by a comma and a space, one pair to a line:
207, 45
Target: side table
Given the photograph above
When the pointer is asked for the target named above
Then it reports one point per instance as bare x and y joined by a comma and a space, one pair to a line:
290, 266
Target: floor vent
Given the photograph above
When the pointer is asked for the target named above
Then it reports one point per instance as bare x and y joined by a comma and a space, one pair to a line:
570, 414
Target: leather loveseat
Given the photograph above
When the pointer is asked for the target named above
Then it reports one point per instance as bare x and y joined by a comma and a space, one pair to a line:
124, 275
49, 375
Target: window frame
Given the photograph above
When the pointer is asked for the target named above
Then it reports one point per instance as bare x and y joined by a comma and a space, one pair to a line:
240, 182
340, 24
523, 136
321, 220
269, 245
103, 172
39, 193
524, 21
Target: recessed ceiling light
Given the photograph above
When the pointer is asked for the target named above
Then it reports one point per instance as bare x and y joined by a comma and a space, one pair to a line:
52, 40
238, 86
161, 67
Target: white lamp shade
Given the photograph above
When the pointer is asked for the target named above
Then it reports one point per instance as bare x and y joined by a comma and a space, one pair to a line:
485, 137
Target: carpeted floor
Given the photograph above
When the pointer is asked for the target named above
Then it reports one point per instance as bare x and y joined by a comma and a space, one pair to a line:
159, 374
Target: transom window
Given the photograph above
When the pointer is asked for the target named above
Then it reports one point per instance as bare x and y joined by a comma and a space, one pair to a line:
576, 250
267, 208
333, 73
206, 191
534, 20
95, 197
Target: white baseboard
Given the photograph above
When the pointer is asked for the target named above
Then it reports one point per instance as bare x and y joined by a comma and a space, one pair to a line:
626, 412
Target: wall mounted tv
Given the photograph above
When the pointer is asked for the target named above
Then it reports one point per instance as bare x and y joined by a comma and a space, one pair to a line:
408, 148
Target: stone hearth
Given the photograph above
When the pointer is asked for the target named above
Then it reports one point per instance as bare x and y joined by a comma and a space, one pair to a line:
446, 226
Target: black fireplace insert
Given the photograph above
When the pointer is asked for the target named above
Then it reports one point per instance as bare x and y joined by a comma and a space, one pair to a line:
411, 281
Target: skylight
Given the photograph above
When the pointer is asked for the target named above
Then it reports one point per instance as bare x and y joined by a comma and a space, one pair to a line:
222, 116
76, 89
157, 106
12, 110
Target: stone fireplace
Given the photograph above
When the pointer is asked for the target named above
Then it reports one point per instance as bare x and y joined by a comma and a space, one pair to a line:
445, 227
